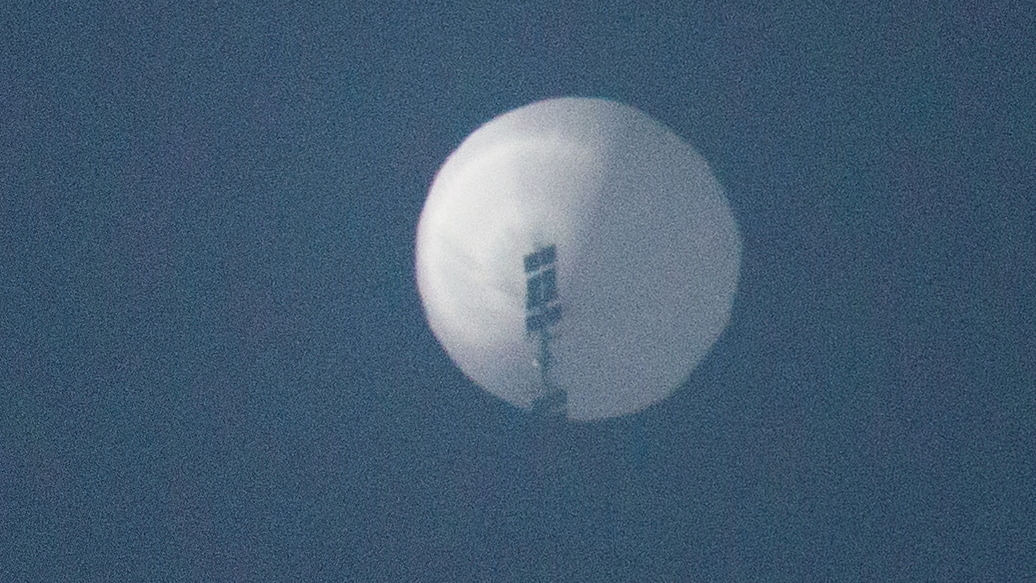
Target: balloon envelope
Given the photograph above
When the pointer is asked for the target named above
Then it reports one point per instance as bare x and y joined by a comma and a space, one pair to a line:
647, 255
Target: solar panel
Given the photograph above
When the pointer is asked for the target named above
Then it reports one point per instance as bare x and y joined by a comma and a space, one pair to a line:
541, 320
540, 258
541, 293
542, 310
540, 289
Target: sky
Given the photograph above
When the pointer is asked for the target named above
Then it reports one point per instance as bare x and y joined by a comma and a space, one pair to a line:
214, 364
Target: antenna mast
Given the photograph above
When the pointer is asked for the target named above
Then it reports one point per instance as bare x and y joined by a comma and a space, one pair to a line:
542, 313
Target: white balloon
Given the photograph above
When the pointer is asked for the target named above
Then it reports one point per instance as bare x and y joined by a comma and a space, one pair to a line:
648, 255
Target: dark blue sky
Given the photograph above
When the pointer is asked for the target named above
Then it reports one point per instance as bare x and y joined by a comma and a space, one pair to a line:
213, 360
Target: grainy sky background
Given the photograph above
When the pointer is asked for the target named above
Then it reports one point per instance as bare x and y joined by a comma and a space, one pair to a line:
214, 365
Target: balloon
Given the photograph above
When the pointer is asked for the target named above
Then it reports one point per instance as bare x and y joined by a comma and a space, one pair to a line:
577, 247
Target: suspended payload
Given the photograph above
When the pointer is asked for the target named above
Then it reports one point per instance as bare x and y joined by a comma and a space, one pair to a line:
577, 253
